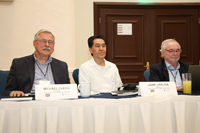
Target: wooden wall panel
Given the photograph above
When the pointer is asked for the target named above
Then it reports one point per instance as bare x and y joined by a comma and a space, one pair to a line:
179, 24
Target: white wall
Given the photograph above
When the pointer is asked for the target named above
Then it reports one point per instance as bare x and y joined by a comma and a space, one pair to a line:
85, 20
21, 19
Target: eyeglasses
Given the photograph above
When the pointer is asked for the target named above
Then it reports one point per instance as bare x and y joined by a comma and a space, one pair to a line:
45, 41
173, 52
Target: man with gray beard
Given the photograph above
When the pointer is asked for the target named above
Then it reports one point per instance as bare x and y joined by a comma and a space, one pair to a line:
170, 68
40, 67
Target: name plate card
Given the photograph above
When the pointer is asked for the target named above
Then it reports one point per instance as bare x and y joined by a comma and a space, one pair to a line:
157, 88
56, 92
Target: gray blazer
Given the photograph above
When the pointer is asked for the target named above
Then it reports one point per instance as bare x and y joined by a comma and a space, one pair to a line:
22, 73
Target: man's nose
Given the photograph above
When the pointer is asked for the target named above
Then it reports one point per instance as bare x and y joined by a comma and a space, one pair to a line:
175, 52
47, 44
101, 48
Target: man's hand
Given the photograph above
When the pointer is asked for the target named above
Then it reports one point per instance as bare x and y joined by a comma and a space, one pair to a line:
17, 94
179, 88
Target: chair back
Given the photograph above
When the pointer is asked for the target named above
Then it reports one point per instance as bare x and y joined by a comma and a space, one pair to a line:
75, 75
3, 81
147, 74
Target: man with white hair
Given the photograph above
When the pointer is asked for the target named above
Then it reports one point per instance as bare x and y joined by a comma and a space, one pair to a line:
170, 68
40, 67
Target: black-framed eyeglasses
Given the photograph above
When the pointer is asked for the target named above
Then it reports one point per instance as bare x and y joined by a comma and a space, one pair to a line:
178, 51
45, 41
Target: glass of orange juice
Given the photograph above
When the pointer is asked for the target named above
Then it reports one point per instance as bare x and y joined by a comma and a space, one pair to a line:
187, 83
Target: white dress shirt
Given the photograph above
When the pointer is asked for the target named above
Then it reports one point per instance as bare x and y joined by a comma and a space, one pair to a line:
102, 78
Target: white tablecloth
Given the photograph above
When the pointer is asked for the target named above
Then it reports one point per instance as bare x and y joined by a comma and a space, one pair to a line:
155, 114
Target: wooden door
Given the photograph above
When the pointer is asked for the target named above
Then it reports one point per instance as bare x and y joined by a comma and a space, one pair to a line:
182, 25
150, 26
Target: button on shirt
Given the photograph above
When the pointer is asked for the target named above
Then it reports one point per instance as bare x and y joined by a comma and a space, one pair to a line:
176, 75
43, 72
102, 78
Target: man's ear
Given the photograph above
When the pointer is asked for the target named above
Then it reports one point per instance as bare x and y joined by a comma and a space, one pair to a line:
34, 43
90, 49
161, 52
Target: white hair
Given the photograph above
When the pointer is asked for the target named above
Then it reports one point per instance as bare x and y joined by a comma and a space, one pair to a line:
162, 47
37, 35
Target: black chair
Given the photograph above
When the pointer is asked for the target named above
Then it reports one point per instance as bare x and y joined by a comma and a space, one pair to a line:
147, 74
3, 81
75, 75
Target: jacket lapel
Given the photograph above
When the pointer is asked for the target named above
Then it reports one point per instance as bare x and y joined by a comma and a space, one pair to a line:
182, 69
31, 68
54, 72
164, 71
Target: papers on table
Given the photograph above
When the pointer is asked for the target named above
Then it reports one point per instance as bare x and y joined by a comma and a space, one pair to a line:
124, 92
29, 95
17, 99
92, 93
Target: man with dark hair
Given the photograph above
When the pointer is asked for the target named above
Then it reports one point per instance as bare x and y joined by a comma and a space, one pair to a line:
92, 38
102, 74
26, 72
170, 68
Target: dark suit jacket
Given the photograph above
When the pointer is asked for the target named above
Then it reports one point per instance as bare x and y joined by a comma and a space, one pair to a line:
22, 73
158, 72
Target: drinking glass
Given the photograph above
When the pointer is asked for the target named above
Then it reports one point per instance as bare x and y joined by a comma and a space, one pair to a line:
187, 83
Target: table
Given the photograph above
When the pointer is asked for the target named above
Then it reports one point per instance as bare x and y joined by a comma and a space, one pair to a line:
154, 114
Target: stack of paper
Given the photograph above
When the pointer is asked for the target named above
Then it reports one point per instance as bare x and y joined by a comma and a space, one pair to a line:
124, 92
17, 99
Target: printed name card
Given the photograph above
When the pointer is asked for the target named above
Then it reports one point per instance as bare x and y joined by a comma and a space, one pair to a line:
56, 92
157, 88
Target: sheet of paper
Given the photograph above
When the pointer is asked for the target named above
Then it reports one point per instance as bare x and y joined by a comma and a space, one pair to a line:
125, 92
92, 93
124, 29
17, 99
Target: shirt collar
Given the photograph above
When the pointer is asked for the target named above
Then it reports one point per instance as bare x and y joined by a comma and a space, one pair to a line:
49, 60
170, 67
95, 64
